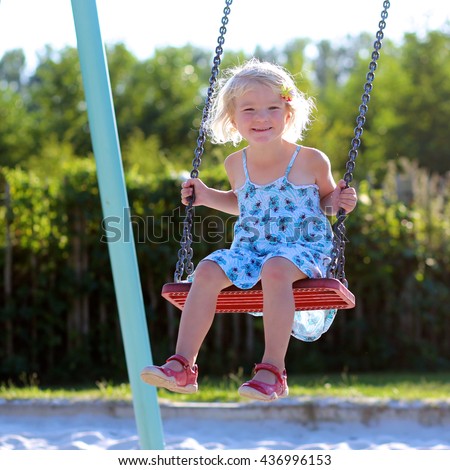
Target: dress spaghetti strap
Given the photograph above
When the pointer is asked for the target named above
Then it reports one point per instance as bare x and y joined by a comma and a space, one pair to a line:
244, 163
294, 156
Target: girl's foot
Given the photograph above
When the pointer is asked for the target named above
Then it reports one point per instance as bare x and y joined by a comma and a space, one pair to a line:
265, 391
176, 375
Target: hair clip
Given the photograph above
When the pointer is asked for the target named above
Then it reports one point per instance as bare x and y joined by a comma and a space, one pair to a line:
287, 93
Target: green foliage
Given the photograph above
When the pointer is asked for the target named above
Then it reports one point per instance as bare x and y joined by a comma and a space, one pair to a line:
143, 155
16, 142
12, 67
399, 268
411, 103
63, 297
56, 100
162, 97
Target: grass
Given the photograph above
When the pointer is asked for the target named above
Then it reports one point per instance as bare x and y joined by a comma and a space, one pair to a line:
401, 386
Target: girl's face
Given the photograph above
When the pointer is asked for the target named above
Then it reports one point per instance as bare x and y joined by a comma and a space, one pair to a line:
260, 115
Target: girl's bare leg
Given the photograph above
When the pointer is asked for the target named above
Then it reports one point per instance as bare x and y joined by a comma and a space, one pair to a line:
277, 277
199, 310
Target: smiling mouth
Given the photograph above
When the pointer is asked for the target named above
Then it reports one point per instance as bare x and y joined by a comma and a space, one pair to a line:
262, 130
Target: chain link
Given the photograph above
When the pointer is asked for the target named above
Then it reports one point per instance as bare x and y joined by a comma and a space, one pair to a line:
337, 263
185, 253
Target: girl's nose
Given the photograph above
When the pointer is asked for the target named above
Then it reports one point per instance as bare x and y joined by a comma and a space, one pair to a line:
261, 115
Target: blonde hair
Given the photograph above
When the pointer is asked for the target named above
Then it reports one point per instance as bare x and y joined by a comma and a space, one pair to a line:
237, 81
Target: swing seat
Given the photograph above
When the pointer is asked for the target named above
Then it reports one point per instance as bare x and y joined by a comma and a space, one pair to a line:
309, 294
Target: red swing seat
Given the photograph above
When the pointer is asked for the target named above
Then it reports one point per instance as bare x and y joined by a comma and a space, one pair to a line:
309, 294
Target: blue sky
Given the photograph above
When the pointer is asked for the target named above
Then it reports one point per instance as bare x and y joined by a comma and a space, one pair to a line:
145, 24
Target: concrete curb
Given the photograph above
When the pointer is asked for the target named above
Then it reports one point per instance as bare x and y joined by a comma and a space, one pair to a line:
302, 410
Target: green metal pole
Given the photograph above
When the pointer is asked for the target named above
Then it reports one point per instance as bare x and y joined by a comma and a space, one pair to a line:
105, 142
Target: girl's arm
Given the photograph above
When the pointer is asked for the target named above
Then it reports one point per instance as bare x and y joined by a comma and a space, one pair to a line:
332, 196
225, 201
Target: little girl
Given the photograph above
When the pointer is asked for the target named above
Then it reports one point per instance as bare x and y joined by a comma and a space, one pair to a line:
282, 193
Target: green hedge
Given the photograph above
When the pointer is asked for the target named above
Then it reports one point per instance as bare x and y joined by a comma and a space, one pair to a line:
58, 312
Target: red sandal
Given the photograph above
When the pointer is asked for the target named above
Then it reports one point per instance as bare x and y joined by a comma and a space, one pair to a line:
263, 391
183, 381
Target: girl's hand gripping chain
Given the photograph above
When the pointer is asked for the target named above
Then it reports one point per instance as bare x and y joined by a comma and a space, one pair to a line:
193, 187
343, 197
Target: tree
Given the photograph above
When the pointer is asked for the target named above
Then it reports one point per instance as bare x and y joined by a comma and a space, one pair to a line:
12, 66
16, 141
425, 104
56, 100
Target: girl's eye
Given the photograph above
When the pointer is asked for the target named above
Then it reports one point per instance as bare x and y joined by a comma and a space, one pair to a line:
274, 108
248, 109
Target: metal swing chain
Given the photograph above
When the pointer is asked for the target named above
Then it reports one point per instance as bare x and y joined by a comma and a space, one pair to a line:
185, 253
337, 264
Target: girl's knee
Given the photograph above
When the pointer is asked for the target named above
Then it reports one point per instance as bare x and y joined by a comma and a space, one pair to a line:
279, 270
208, 272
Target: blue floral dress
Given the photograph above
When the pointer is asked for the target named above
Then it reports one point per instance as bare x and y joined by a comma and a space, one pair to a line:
280, 219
